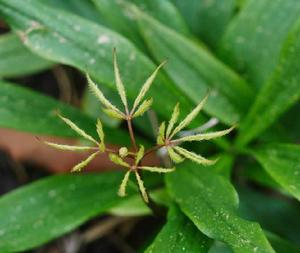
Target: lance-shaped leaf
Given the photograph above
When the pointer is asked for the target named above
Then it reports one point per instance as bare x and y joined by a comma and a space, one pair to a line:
114, 114
179, 235
141, 187
173, 119
84, 163
146, 87
187, 120
139, 155
78, 130
211, 203
67, 147
118, 160
98, 93
122, 189
157, 169
143, 107
161, 134
205, 136
174, 156
101, 135
119, 83
282, 163
194, 157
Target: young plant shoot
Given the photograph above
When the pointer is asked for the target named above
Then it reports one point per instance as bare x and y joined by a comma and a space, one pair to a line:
165, 139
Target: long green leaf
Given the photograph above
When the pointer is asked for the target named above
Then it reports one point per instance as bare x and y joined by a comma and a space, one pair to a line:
179, 235
26, 110
54, 34
17, 60
282, 163
207, 19
210, 202
253, 40
37, 213
119, 18
193, 68
279, 94
272, 211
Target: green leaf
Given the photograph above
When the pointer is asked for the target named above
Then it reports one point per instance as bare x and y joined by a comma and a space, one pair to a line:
253, 40
119, 18
282, 163
179, 235
85, 9
193, 68
207, 19
17, 60
26, 110
274, 212
210, 202
50, 32
279, 94
41, 211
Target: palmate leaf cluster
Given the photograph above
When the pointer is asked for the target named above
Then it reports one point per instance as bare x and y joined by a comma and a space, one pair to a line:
238, 193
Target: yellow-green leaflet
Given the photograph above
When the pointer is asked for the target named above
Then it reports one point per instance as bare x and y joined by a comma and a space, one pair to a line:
141, 187
139, 155
161, 134
77, 129
67, 147
84, 163
122, 189
194, 157
101, 135
143, 107
189, 117
146, 86
98, 93
114, 114
176, 158
173, 119
118, 160
157, 169
205, 136
119, 83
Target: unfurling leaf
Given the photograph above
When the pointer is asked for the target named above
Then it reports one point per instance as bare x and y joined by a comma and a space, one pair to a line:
146, 87
98, 93
123, 152
139, 155
122, 189
157, 169
114, 114
173, 119
77, 129
84, 163
67, 147
194, 157
189, 117
141, 187
161, 134
143, 107
119, 83
101, 135
118, 160
205, 136
176, 158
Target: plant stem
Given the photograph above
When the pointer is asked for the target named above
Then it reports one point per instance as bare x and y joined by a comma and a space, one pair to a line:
131, 133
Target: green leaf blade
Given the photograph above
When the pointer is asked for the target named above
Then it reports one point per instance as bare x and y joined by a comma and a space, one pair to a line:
210, 202
179, 235
37, 213
282, 163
